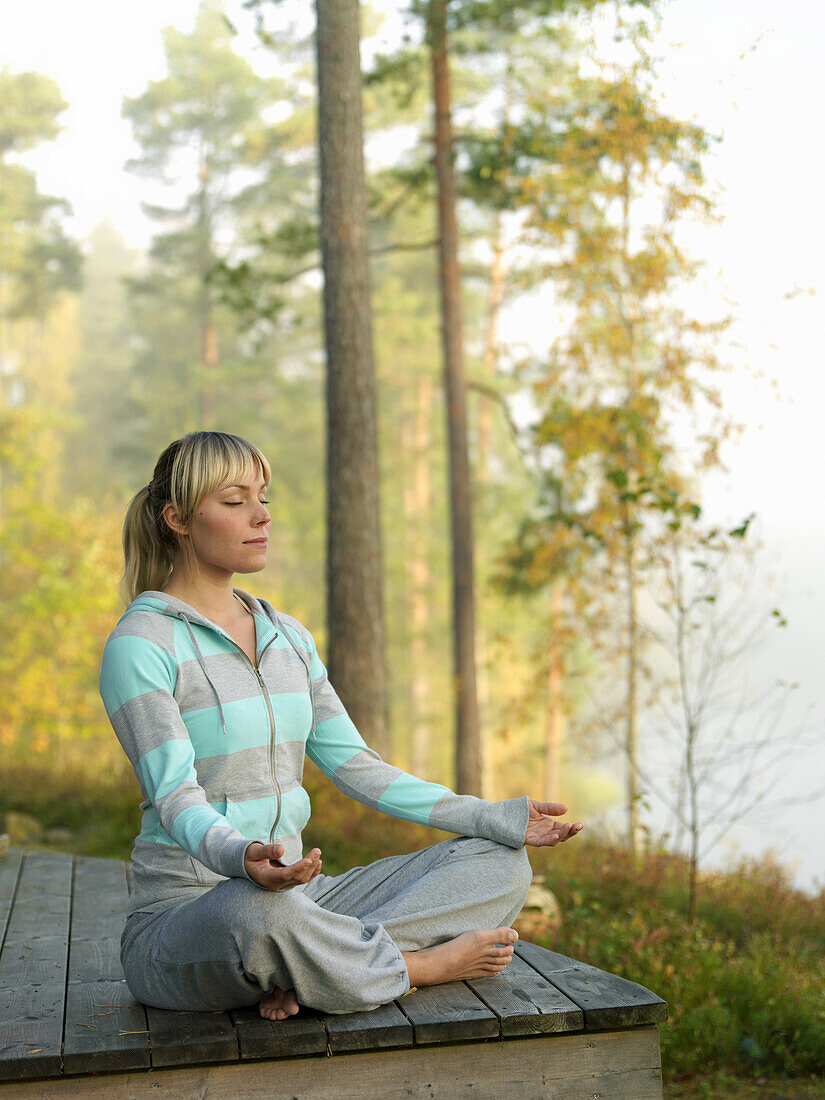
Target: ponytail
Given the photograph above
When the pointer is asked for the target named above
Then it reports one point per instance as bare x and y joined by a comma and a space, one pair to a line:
148, 547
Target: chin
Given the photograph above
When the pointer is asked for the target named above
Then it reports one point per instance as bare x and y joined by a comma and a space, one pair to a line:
248, 568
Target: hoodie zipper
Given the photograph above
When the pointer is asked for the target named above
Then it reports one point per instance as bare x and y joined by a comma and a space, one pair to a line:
271, 750
265, 693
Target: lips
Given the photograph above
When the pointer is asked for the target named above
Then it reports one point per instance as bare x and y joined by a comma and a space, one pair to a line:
256, 542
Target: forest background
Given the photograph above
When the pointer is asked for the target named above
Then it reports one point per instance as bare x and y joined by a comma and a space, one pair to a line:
103, 361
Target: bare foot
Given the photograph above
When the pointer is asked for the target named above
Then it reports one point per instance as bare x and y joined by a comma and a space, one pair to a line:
279, 1004
476, 954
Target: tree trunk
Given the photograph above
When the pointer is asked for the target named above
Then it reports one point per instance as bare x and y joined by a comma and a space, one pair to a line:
631, 735
419, 503
354, 560
494, 300
553, 786
468, 754
693, 874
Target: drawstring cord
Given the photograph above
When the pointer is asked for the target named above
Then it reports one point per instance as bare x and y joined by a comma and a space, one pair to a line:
203, 668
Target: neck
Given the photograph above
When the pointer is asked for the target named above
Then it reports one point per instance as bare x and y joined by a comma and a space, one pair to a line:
212, 596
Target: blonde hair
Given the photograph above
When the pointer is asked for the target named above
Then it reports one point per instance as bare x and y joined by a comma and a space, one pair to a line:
187, 471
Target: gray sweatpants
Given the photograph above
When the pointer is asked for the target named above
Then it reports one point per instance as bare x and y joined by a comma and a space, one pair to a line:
337, 940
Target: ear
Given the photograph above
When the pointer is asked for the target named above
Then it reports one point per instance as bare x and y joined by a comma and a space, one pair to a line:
173, 520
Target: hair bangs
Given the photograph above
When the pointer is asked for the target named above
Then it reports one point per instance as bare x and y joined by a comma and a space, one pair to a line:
207, 460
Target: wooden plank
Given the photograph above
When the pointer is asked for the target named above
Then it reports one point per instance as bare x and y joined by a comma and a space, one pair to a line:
9, 874
180, 1038
382, 1028
98, 916
526, 1003
33, 968
448, 1012
259, 1038
105, 1029
621, 1065
105, 1026
607, 1000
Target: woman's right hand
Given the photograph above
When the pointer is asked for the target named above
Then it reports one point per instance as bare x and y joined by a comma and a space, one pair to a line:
262, 866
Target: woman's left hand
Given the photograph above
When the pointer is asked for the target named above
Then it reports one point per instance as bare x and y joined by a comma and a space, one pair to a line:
543, 830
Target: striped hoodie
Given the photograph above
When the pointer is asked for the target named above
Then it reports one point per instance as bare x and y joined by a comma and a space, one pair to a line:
218, 746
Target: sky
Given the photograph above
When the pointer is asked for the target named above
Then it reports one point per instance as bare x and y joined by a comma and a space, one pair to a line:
748, 70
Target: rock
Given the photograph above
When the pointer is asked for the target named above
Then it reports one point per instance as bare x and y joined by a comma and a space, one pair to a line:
22, 828
541, 914
4, 845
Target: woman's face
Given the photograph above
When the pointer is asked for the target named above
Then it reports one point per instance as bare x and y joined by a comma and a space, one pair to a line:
229, 531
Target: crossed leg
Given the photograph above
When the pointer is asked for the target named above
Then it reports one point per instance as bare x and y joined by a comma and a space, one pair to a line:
424, 899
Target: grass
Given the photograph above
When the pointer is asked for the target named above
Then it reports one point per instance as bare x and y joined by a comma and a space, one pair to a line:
725, 1086
744, 984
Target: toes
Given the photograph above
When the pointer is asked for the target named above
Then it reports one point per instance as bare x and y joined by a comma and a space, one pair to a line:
501, 952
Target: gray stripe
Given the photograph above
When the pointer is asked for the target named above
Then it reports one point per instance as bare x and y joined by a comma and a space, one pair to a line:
245, 774
504, 822
169, 807
234, 680
282, 670
146, 721
221, 846
327, 703
465, 808
365, 777
289, 764
155, 628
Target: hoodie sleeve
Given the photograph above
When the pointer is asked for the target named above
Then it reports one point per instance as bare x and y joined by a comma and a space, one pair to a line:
357, 770
137, 681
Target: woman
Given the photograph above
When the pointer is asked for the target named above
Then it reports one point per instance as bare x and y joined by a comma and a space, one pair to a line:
215, 697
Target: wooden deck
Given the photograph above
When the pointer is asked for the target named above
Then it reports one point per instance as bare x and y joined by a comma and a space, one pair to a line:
548, 1026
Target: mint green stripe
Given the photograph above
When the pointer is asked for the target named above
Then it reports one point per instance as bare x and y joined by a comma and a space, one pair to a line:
411, 798
336, 741
131, 667
192, 823
295, 810
163, 768
151, 828
247, 722
255, 817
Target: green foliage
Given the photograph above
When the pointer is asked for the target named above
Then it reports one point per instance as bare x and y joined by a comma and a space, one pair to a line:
743, 984
37, 260
95, 796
